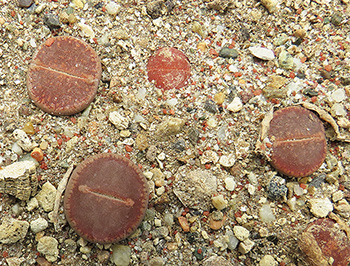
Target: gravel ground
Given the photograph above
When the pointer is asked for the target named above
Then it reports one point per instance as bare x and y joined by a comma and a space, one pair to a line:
212, 191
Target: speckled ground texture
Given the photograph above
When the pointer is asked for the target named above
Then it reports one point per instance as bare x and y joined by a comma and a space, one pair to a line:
212, 188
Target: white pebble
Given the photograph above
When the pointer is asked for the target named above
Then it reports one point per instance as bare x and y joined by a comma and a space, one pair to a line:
268, 260
112, 8
118, 120
240, 232
320, 207
227, 160
38, 225
266, 214
230, 183
236, 105
338, 95
262, 53
87, 30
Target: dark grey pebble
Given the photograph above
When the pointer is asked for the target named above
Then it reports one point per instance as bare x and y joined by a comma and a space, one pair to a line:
52, 21
276, 189
210, 106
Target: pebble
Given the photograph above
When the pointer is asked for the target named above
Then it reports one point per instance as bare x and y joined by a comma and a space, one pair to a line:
236, 105
210, 106
121, 255
118, 120
184, 223
38, 225
226, 52
87, 30
197, 28
274, 87
156, 261
320, 207
262, 53
46, 197
343, 208
216, 261
286, 60
245, 246
32, 204
271, 5
52, 21
47, 246
219, 98
15, 261
227, 160
338, 95
195, 188
338, 109
25, 3
170, 126
209, 157
12, 230
266, 214
113, 8
240, 232
268, 260
23, 140
230, 183
276, 188
16, 179
232, 241
219, 202
79, 3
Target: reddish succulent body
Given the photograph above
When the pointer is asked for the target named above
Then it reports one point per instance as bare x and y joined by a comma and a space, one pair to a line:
63, 76
169, 68
298, 141
106, 198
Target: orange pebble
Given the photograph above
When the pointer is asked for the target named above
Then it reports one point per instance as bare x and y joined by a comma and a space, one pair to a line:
37, 154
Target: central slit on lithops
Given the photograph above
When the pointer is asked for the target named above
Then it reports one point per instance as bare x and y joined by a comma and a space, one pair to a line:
86, 189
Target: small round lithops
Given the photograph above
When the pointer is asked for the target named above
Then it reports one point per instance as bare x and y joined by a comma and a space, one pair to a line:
298, 141
64, 75
106, 198
169, 68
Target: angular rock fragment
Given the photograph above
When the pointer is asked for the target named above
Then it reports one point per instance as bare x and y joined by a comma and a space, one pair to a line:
19, 179
12, 230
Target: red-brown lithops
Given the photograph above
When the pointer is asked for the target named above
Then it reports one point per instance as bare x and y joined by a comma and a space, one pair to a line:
324, 243
298, 141
169, 68
106, 198
64, 75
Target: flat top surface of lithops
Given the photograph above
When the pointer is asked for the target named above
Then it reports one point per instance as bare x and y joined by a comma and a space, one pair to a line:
64, 75
169, 68
298, 141
106, 198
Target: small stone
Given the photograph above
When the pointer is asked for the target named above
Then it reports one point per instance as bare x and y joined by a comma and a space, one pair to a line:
121, 255
219, 98
113, 8
79, 3
23, 140
209, 156
141, 142
343, 208
156, 261
338, 109
217, 220
236, 105
300, 33
103, 256
240, 232
197, 28
268, 260
286, 60
216, 261
227, 160
25, 3
338, 95
337, 18
210, 106
338, 195
156, 9
170, 126
184, 223
52, 21
202, 46
47, 246
37, 154
320, 207
12, 230
232, 241
271, 5
28, 128
18, 179
87, 30
219, 202
226, 52
38, 225
230, 183
32, 204
118, 120
274, 89
266, 214
245, 246
262, 53
46, 197
276, 188
15, 261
